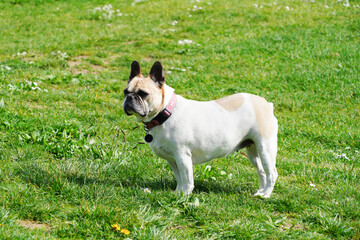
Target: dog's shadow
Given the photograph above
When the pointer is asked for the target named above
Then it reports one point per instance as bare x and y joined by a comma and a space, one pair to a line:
42, 178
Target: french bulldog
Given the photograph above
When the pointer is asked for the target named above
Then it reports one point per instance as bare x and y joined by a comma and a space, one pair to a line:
187, 132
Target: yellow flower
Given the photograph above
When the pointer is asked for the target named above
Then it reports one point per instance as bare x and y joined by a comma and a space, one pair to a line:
125, 231
115, 227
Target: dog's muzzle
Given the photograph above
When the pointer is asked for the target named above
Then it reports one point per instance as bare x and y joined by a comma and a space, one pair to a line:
133, 104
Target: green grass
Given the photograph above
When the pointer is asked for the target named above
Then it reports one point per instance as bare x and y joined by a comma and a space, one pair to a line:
70, 158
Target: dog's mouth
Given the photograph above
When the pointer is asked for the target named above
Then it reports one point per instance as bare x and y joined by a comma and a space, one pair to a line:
138, 109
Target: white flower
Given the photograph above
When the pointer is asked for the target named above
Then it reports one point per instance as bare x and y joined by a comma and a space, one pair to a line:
208, 168
8, 68
147, 190
137, 1
287, 8
342, 156
326, 6
222, 173
174, 23
185, 41
312, 185
347, 148
196, 202
35, 88
22, 54
255, 5
213, 178
230, 176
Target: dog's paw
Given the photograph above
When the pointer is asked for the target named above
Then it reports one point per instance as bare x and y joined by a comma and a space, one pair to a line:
185, 190
262, 194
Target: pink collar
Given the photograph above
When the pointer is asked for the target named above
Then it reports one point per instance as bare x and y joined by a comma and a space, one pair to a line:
163, 115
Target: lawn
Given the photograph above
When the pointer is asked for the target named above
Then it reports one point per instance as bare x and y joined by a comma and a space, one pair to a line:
74, 166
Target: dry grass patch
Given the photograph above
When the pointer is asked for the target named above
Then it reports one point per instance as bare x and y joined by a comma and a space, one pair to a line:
30, 224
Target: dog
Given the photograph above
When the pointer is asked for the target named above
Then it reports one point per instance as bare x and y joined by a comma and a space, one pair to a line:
186, 132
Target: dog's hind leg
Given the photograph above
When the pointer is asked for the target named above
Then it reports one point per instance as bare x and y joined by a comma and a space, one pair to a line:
256, 161
266, 149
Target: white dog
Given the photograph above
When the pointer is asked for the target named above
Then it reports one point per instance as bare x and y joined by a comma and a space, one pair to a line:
187, 132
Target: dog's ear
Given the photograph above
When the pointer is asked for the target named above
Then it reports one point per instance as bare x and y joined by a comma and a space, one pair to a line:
157, 74
135, 70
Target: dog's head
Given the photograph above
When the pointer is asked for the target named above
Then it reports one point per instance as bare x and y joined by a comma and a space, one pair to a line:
144, 96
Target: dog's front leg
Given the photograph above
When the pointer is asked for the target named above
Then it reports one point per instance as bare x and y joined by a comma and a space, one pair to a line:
175, 169
185, 167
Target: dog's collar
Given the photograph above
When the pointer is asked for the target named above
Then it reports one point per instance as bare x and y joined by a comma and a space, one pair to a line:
163, 115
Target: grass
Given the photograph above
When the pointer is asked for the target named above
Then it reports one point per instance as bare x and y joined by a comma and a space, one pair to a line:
71, 162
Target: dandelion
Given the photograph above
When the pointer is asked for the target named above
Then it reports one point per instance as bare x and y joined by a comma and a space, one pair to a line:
125, 231
115, 227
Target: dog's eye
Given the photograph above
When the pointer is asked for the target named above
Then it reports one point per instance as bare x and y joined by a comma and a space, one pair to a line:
142, 94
